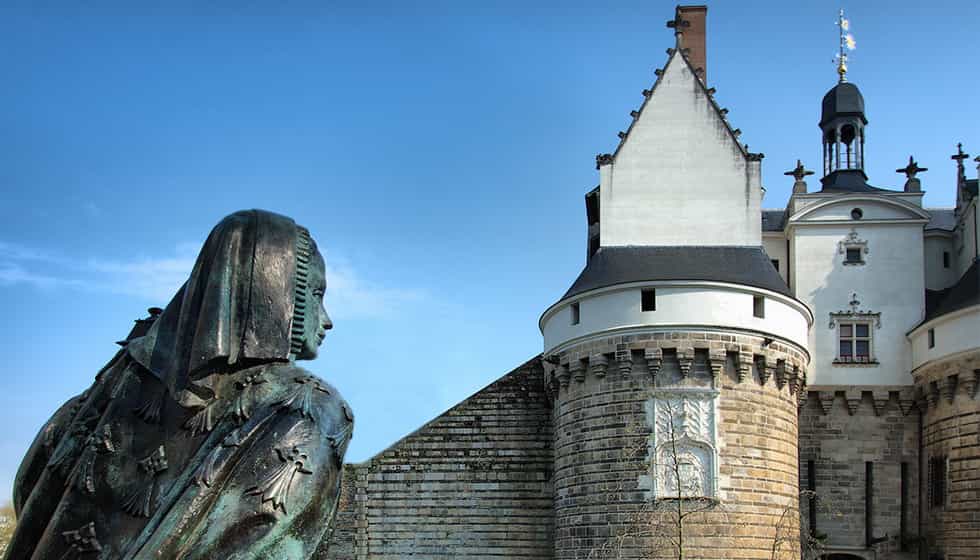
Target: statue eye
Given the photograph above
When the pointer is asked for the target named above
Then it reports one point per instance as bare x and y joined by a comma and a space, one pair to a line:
318, 293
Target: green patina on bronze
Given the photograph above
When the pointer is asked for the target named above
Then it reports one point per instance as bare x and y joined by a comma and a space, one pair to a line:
201, 438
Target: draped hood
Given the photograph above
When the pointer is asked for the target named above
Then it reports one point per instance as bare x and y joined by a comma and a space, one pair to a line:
237, 304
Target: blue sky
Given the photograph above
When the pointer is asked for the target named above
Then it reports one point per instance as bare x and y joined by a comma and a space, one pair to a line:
438, 152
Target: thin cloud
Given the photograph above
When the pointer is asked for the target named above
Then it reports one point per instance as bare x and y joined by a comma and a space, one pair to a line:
156, 279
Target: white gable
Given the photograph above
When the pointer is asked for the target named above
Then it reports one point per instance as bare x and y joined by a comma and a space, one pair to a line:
680, 177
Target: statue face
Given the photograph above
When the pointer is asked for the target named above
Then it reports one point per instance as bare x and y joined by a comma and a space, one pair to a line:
316, 322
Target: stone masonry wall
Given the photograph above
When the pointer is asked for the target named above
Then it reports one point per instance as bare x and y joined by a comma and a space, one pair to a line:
604, 506
947, 393
841, 429
473, 483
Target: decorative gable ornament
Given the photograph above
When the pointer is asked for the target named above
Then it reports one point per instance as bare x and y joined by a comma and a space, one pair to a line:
852, 242
855, 313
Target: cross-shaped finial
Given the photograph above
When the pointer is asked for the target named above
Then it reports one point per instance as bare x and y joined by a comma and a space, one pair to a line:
678, 23
960, 155
799, 172
911, 169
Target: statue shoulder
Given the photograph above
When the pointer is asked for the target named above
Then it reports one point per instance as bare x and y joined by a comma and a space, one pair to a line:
309, 394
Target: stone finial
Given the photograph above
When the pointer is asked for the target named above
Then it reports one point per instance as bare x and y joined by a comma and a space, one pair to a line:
685, 359
912, 184
799, 173
655, 360
826, 400
563, 375
603, 159
879, 400
948, 387
577, 370
853, 399
598, 364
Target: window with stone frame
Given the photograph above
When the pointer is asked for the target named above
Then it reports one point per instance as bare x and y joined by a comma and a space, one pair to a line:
855, 333
853, 248
854, 342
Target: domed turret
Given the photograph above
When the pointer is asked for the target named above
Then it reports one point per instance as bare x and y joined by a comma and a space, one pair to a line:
842, 123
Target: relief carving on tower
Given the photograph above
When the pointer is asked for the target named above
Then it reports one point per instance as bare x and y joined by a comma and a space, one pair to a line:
684, 453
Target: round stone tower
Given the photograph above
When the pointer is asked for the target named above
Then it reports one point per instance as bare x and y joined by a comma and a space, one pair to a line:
675, 359
675, 374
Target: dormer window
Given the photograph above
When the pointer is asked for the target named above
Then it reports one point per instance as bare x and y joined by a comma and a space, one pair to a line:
853, 256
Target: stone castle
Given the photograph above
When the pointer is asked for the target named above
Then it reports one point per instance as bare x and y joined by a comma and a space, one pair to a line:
770, 377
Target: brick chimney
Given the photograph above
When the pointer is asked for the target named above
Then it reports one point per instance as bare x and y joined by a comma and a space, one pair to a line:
689, 28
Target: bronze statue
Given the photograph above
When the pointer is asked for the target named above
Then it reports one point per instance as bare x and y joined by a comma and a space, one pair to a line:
202, 438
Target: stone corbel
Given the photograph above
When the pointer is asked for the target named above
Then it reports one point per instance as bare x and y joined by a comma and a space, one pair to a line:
826, 400
853, 399
906, 401
563, 375
767, 368
745, 360
624, 360
598, 364
879, 400
932, 395
716, 359
970, 380
685, 359
577, 370
655, 360
802, 395
781, 377
795, 378
948, 387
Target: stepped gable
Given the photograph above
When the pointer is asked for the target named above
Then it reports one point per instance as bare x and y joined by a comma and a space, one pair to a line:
749, 266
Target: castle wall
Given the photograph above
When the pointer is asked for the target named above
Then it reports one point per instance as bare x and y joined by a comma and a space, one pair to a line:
951, 437
610, 498
473, 483
842, 428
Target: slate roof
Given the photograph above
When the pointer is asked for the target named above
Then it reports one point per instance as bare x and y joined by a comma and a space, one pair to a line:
749, 266
963, 294
971, 186
843, 100
847, 181
773, 220
941, 218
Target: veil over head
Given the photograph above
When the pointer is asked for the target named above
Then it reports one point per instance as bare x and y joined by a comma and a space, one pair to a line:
237, 304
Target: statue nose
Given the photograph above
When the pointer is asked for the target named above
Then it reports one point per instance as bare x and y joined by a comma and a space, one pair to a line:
327, 323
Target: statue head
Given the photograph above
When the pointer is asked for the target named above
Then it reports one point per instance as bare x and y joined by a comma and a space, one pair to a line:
310, 319
255, 295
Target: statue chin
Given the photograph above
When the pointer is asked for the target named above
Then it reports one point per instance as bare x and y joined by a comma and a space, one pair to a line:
250, 440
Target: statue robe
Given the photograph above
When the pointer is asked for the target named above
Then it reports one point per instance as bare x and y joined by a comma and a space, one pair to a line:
201, 439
